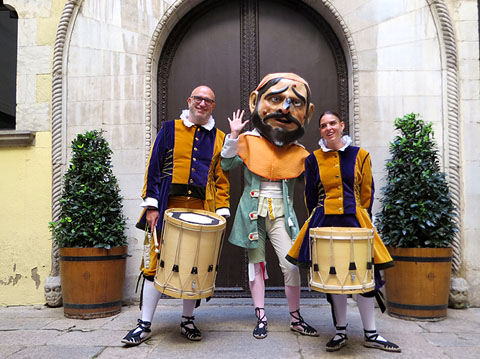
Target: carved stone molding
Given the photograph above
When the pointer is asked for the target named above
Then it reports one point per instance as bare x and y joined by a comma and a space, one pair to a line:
58, 136
451, 120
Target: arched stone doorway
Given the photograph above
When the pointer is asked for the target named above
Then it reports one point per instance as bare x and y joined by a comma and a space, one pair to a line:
230, 46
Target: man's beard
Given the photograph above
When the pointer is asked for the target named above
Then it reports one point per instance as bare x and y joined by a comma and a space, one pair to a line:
278, 136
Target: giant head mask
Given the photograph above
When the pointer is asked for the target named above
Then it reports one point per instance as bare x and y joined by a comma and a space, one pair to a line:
280, 107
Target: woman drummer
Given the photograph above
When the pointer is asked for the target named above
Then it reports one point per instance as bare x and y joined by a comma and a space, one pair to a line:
339, 193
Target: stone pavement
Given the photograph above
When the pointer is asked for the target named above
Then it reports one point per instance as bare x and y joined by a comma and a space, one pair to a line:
40, 332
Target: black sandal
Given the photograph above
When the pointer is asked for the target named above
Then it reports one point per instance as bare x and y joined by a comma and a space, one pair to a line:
134, 337
190, 333
337, 344
372, 341
304, 329
260, 332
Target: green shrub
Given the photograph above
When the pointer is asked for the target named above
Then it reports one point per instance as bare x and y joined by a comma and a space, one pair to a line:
417, 209
91, 204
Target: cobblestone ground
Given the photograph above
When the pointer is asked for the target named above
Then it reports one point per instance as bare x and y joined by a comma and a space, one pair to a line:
40, 332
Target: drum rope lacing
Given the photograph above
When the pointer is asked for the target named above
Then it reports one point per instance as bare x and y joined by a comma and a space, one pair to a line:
366, 282
197, 287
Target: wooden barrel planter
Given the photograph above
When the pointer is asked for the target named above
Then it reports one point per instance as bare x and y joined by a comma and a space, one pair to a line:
418, 285
92, 281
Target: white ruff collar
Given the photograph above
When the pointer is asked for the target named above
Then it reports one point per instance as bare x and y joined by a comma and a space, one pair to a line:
208, 126
346, 140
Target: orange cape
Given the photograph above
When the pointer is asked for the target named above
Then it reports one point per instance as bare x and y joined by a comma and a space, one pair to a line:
269, 161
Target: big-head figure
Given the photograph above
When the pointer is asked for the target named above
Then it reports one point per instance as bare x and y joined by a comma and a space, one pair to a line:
273, 160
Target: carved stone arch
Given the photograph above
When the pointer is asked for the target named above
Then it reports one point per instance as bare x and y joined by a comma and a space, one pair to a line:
181, 7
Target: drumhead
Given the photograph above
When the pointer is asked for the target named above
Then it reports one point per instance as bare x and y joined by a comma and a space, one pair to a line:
195, 218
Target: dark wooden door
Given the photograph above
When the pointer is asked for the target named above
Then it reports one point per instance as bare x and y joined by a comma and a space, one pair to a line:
230, 46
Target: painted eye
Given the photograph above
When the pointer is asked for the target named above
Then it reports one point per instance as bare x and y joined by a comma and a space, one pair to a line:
275, 99
297, 103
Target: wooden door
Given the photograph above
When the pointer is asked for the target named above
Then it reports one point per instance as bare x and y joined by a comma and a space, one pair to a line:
230, 46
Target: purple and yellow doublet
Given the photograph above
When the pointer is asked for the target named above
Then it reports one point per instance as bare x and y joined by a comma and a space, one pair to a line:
339, 192
185, 162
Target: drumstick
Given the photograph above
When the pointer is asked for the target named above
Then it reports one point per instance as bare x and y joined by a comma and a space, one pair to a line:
156, 240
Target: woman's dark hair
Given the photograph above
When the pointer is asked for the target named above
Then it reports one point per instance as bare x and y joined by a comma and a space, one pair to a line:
328, 112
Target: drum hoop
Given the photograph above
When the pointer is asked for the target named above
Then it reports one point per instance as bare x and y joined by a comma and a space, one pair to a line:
342, 232
341, 238
195, 226
330, 287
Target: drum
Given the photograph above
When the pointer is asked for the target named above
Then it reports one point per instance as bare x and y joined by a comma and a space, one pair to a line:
342, 260
189, 251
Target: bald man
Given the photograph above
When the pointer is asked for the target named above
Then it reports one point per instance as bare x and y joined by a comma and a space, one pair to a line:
183, 171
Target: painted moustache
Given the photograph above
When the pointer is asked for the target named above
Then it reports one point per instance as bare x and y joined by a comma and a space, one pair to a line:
280, 115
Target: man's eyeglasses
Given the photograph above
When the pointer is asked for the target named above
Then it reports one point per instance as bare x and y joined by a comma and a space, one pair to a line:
198, 100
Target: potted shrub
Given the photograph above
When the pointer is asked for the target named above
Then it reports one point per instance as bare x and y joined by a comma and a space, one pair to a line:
90, 232
417, 224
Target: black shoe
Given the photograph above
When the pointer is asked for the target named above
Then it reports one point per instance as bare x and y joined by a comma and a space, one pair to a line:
372, 341
190, 333
134, 337
337, 344
260, 332
304, 329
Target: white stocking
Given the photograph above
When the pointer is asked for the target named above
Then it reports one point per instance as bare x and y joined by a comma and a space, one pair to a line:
257, 288
340, 310
366, 306
188, 307
151, 296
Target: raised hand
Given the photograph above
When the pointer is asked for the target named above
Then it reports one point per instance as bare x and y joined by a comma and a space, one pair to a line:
236, 125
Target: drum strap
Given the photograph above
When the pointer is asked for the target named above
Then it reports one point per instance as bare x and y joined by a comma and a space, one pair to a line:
380, 300
141, 291
199, 301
